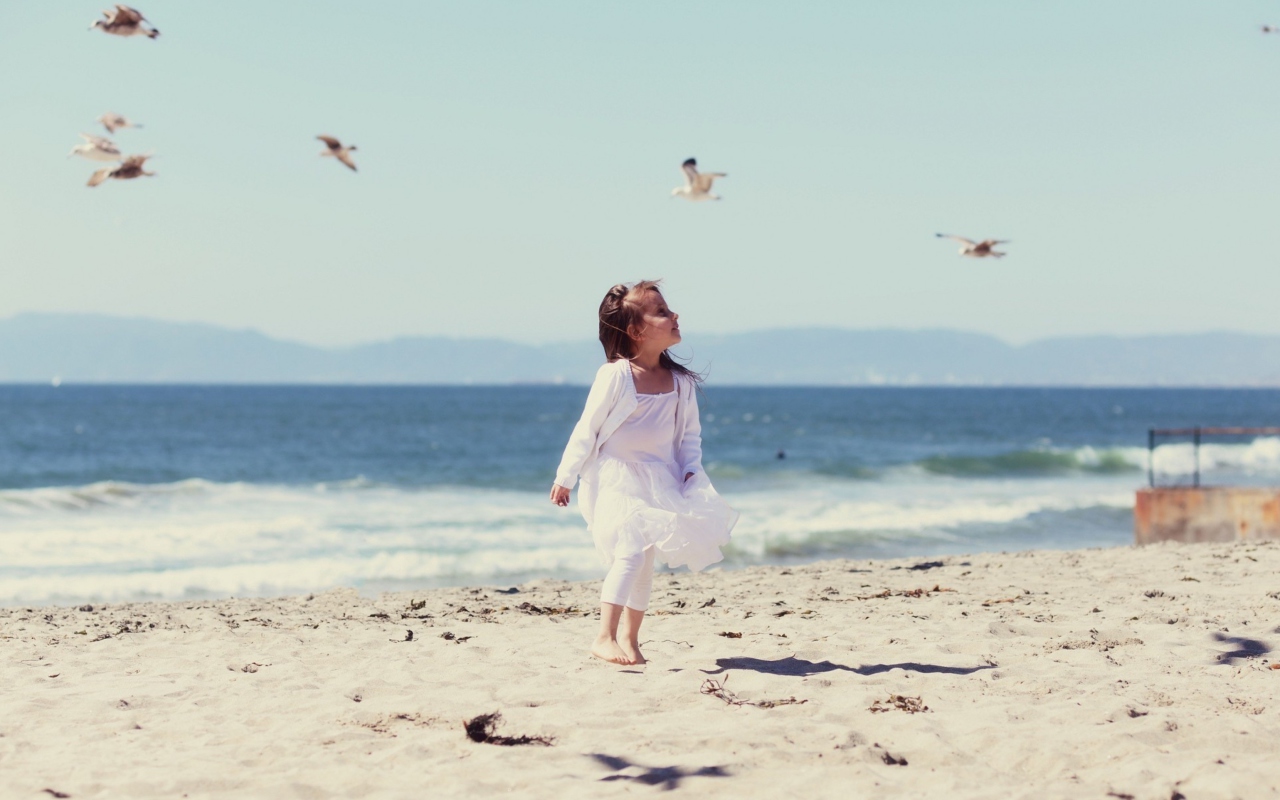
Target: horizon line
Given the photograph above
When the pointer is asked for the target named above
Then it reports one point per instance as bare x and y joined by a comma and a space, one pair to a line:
556, 342
61, 383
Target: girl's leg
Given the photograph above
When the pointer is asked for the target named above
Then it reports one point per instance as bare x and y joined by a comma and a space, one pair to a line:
618, 585
637, 603
606, 644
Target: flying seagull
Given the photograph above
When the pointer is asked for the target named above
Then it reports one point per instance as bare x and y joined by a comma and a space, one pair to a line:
125, 21
339, 152
1271, 28
96, 148
130, 168
973, 249
114, 122
697, 184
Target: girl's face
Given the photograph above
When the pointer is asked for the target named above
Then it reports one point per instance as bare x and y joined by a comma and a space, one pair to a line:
661, 324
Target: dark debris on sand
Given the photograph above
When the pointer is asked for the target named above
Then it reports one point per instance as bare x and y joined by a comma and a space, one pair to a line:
483, 729
830, 592
925, 566
547, 611
717, 688
911, 705
887, 757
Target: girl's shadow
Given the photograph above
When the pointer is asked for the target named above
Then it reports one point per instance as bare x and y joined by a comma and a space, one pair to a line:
800, 668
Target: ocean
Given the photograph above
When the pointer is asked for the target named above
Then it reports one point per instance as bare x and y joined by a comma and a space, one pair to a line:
149, 492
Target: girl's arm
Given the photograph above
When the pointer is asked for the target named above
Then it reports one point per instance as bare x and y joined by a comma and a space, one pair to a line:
690, 451
601, 399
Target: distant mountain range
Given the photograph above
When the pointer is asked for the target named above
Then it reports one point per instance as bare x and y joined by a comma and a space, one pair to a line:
83, 348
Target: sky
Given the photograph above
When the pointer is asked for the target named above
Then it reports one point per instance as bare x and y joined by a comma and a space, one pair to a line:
516, 159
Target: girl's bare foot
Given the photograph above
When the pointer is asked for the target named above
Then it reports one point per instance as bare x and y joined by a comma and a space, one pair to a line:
632, 649
629, 634
608, 650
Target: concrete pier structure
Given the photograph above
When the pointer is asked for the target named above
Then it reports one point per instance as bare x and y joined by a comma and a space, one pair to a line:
1206, 514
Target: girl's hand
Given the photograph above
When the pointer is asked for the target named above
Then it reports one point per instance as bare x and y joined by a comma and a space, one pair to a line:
559, 495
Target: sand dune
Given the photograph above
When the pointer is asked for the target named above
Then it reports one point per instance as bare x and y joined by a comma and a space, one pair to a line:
1143, 673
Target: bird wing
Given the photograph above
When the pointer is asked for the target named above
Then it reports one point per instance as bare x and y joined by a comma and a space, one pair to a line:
345, 158
98, 141
954, 238
994, 242
134, 161
705, 179
690, 168
333, 143
127, 16
100, 176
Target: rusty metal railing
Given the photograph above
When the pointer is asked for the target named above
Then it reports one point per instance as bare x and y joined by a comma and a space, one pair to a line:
1196, 434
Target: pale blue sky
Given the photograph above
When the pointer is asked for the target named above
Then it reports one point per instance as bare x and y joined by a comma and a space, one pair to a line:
516, 159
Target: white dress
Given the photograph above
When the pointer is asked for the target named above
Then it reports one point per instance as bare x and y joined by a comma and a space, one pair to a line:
638, 498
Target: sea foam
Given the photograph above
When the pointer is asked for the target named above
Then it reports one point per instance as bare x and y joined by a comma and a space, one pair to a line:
198, 538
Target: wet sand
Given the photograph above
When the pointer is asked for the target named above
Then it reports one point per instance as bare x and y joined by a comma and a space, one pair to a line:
1141, 673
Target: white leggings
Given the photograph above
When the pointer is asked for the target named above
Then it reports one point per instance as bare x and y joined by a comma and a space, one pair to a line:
629, 581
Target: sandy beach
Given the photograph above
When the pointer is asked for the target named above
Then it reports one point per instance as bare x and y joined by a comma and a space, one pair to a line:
1143, 673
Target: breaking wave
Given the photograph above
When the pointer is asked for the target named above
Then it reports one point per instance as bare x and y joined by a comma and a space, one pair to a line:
196, 538
1038, 462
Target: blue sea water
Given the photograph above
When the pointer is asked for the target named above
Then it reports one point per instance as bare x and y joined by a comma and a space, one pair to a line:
118, 492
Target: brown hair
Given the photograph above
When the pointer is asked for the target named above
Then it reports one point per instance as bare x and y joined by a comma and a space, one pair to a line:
620, 314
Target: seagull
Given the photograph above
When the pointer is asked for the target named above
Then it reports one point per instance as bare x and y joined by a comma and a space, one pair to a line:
339, 152
1271, 28
973, 249
130, 168
96, 148
697, 184
114, 122
125, 21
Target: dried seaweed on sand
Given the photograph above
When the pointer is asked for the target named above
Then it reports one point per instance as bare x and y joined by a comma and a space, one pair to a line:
482, 729
890, 593
717, 688
911, 705
545, 611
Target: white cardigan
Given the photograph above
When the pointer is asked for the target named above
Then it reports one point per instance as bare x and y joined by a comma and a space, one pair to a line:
610, 402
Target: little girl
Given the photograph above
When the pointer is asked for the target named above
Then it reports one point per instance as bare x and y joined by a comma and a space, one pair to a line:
638, 450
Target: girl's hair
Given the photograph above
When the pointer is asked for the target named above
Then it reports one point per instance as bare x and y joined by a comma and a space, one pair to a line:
621, 312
